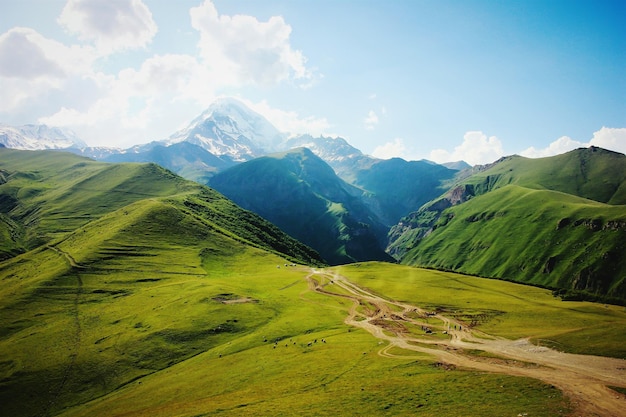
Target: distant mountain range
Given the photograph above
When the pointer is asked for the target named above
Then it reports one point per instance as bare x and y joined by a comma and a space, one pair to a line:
558, 222
227, 139
302, 195
37, 137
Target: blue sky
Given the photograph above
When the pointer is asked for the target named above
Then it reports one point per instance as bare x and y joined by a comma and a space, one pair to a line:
442, 80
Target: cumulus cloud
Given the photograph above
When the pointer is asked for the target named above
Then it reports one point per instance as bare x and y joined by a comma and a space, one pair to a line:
25, 53
113, 25
476, 148
243, 49
609, 138
139, 99
32, 67
371, 120
559, 146
46, 81
393, 149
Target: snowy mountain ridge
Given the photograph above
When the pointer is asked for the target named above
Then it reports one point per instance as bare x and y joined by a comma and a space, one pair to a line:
230, 128
38, 137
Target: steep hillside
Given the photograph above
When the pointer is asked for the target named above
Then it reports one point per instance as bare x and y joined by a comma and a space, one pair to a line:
401, 186
558, 222
394, 187
45, 195
301, 194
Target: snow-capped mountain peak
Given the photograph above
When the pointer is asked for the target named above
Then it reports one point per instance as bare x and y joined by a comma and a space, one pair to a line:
37, 137
228, 127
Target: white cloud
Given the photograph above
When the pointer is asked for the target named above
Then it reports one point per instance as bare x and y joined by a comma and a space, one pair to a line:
291, 121
394, 149
241, 49
113, 25
137, 102
35, 71
609, 138
476, 148
25, 53
49, 82
559, 146
371, 120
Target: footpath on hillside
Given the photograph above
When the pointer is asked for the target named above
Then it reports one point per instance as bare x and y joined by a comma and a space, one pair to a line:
583, 378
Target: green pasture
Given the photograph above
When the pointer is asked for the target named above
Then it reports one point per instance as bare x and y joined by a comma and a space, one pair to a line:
172, 301
501, 308
147, 326
535, 236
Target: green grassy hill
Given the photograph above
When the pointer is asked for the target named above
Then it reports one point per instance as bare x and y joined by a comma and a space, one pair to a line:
302, 195
180, 303
46, 195
182, 326
558, 222
593, 173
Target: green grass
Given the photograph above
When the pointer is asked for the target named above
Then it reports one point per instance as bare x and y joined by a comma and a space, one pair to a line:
46, 195
302, 195
139, 326
182, 304
537, 236
592, 173
148, 333
502, 308
557, 222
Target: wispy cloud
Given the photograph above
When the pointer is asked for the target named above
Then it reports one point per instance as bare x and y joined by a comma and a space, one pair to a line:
476, 148
291, 121
371, 120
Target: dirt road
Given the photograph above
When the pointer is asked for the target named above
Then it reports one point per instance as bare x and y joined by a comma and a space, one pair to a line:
583, 378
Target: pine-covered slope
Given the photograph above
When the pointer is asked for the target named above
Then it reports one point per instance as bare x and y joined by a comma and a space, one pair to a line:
558, 222
302, 195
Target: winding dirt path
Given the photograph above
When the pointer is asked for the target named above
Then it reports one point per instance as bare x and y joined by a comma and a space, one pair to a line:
583, 378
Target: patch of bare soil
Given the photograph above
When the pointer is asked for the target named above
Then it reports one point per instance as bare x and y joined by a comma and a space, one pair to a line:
583, 378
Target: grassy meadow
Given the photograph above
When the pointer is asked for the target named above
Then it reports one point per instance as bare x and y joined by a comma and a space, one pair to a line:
502, 308
215, 327
174, 302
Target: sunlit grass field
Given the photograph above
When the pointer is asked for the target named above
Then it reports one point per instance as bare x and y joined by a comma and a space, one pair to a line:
167, 329
502, 308
177, 303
